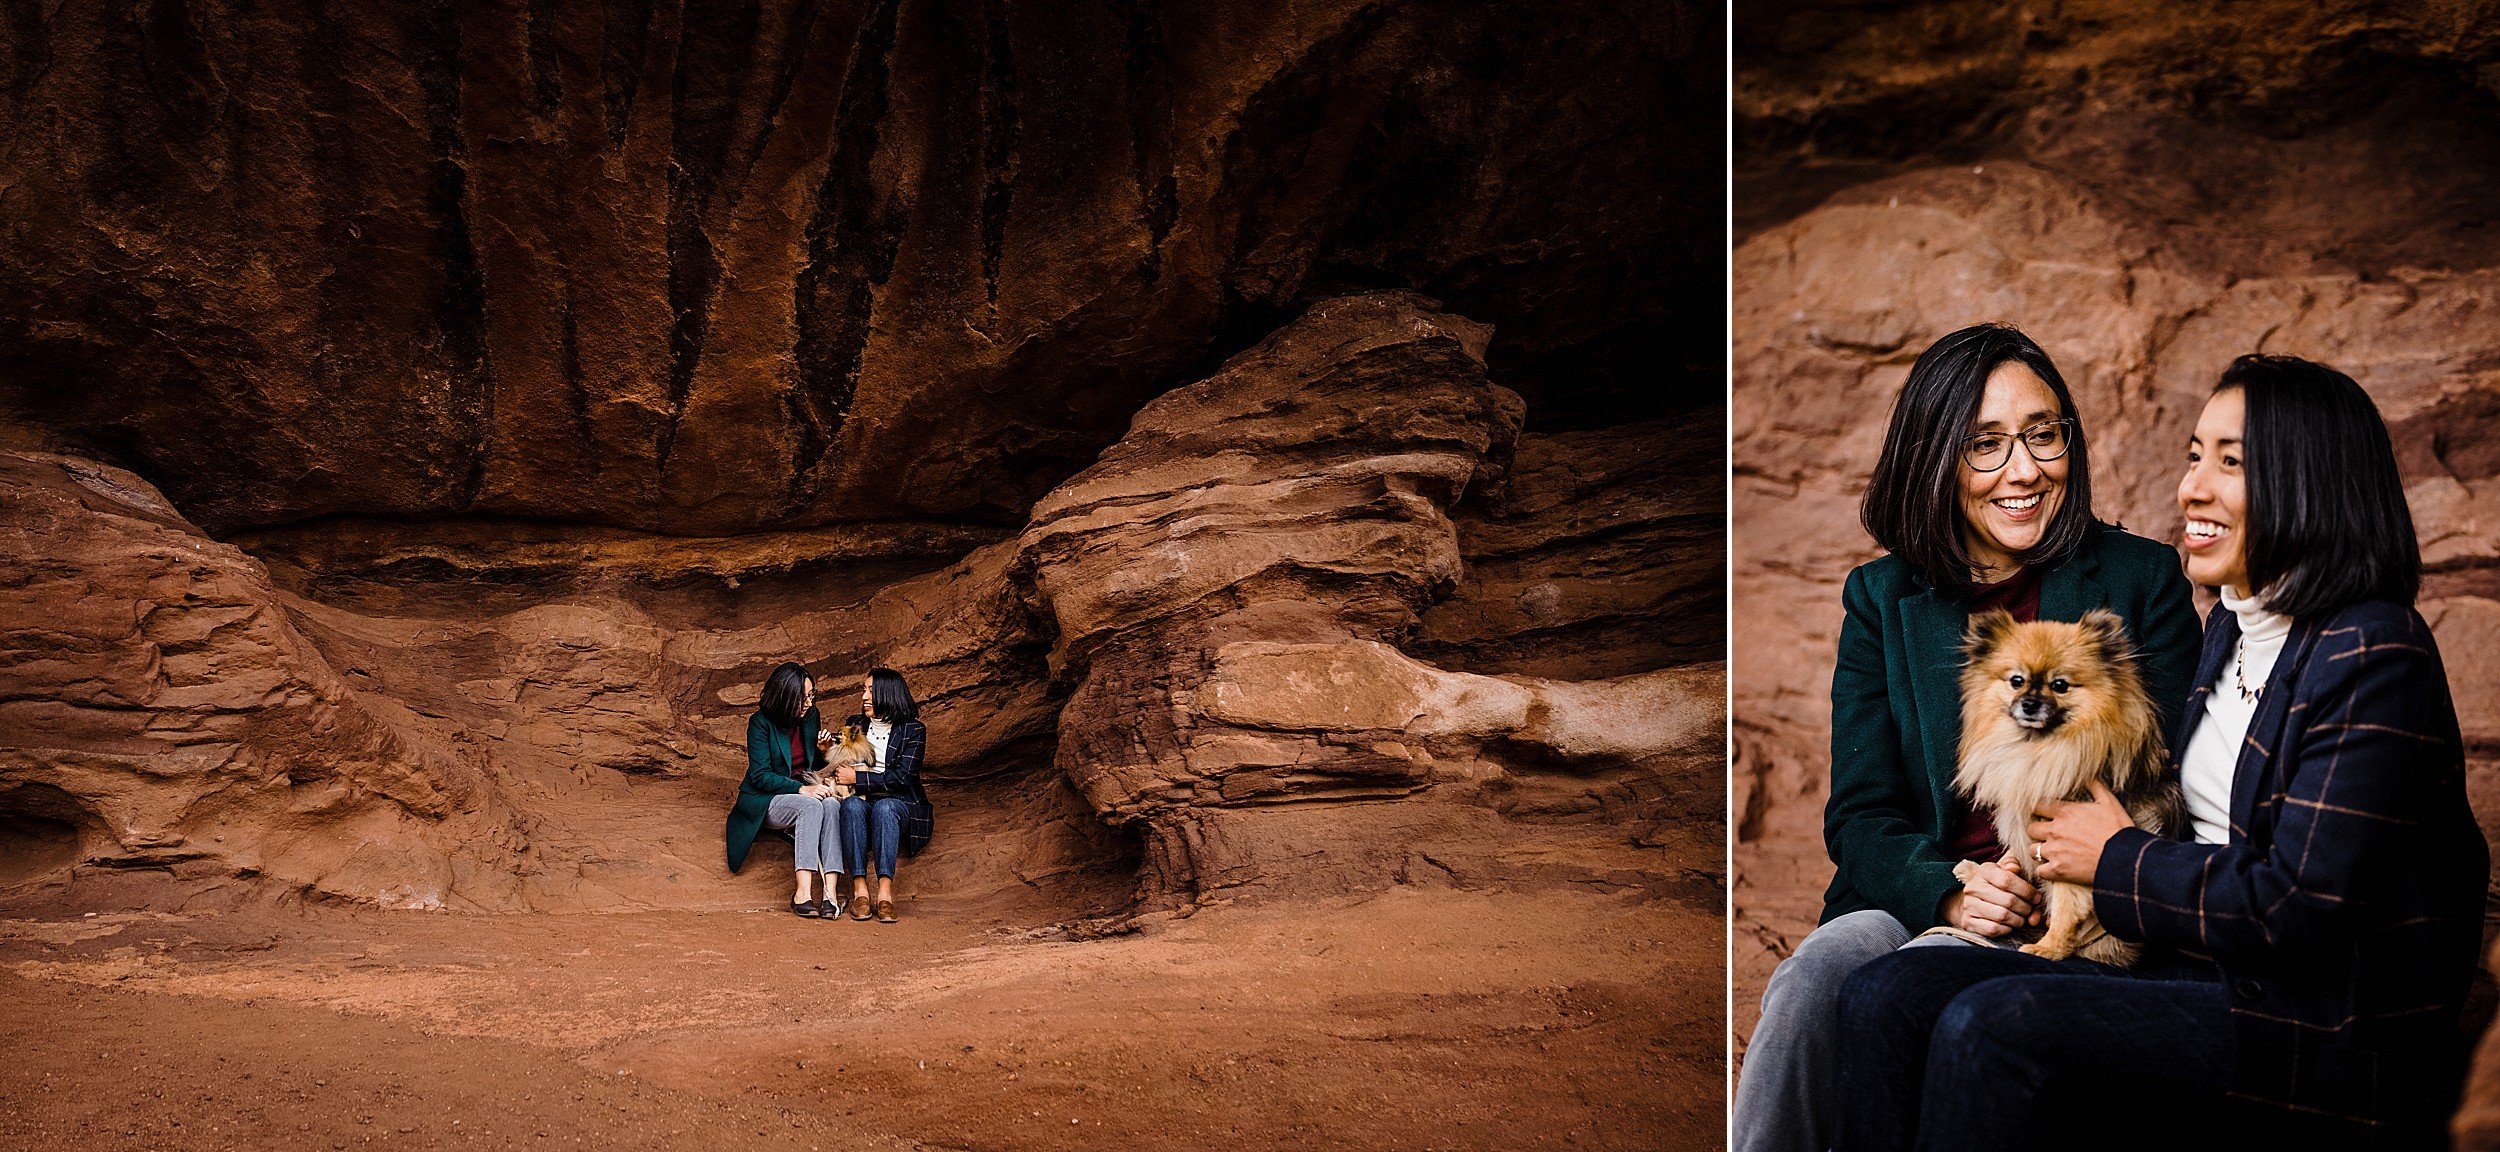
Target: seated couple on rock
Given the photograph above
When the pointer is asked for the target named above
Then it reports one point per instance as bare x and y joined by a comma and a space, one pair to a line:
844, 800
2310, 931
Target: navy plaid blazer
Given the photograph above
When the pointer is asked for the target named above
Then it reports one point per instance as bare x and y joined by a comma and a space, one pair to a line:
2346, 910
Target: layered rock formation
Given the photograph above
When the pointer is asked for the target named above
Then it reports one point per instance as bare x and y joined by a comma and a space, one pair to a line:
709, 270
559, 368
1226, 583
1182, 679
2149, 195
163, 712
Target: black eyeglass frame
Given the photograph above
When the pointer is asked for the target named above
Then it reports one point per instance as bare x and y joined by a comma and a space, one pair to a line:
2023, 437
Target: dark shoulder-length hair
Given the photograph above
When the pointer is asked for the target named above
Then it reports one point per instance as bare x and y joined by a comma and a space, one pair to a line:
785, 694
2327, 521
1913, 504
893, 700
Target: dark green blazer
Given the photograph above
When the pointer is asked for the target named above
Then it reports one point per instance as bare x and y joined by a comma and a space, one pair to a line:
1897, 707
768, 775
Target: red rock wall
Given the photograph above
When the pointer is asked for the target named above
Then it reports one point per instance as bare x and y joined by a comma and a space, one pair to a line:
560, 367
2149, 192
1182, 681
704, 269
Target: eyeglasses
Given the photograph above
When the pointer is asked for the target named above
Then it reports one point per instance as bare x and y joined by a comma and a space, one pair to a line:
2044, 441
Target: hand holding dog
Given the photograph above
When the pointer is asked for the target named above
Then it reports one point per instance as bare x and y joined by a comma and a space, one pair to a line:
2070, 834
1994, 901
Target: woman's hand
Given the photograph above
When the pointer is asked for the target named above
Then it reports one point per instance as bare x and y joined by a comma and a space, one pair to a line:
1994, 901
846, 775
2070, 834
824, 740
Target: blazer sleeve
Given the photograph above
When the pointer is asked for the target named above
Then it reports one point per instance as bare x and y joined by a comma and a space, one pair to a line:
2169, 639
2366, 733
1867, 824
902, 760
763, 774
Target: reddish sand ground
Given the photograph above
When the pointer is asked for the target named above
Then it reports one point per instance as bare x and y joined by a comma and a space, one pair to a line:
1547, 1016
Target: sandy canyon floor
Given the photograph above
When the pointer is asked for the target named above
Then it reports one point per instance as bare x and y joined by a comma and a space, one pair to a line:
1536, 1015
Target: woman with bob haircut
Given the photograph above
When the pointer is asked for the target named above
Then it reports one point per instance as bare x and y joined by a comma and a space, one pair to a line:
781, 744
2325, 919
1983, 499
890, 806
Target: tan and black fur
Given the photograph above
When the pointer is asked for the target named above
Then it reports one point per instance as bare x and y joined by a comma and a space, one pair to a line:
2047, 708
850, 749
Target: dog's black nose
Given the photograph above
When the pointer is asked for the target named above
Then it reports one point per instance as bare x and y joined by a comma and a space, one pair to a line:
2032, 710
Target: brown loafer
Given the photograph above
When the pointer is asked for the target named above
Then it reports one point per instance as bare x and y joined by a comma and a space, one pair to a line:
885, 911
860, 909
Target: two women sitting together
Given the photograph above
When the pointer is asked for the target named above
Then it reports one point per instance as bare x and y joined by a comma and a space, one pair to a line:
2310, 933
841, 817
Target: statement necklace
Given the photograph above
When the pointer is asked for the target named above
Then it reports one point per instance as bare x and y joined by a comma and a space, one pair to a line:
2239, 675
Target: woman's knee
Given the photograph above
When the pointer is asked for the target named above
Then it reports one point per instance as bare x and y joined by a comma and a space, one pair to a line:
1885, 989
1995, 1015
888, 806
1813, 973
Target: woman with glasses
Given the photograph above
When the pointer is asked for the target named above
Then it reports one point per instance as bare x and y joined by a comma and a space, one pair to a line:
1983, 499
784, 743
2323, 918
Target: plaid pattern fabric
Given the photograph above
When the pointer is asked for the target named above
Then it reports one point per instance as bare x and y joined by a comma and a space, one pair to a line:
901, 777
2346, 910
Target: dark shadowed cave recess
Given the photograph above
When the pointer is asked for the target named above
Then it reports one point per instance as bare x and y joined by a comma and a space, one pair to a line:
535, 377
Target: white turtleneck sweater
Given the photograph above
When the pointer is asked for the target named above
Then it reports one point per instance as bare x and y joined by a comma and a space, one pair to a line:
879, 732
2213, 753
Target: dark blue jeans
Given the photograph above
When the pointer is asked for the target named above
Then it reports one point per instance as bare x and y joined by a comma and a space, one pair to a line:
876, 824
1947, 1048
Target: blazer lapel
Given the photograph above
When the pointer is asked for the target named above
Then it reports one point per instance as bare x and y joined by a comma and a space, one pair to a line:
2222, 634
2265, 729
2073, 588
1935, 624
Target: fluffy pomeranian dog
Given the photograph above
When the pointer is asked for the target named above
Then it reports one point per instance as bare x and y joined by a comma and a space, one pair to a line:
2047, 708
849, 750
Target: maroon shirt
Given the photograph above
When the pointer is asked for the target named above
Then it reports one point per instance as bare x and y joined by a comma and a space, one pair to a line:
1972, 835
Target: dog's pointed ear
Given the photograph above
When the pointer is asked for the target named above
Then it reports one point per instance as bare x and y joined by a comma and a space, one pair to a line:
1987, 630
2109, 632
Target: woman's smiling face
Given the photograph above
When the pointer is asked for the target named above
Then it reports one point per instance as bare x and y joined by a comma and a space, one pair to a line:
2214, 494
2006, 512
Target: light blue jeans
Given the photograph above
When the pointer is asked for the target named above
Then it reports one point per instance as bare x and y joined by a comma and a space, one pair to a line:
1784, 1099
815, 831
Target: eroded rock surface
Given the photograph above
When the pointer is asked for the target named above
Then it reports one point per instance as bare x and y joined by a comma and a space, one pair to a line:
706, 270
163, 712
2150, 196
1226, 586
1186, 678
1593, 555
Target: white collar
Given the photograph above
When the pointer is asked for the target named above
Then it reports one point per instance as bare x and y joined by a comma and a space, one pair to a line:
2259, 626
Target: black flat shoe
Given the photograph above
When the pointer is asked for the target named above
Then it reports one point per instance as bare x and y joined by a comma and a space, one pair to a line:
828, 909
805, 908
